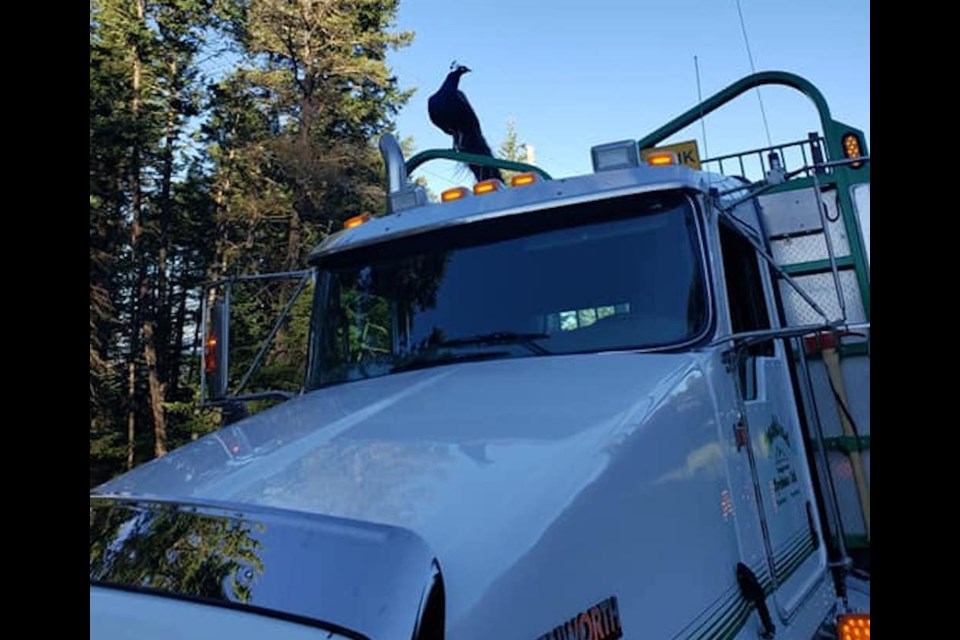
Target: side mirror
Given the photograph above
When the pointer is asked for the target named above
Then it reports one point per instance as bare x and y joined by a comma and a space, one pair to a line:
217, 387
215, 350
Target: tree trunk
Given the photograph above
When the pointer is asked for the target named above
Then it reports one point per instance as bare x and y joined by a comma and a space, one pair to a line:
293, 241
131, 412
176, 346
218, 266
156, 391
163, 306
193, 368
135, 231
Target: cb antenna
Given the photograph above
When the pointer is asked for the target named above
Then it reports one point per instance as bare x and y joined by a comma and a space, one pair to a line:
703, 122
753, 69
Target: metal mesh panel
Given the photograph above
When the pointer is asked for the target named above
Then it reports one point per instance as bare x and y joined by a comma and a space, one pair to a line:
826, 406
846, 488
861, 200
809, 248
812, 247
821, 288
856, 380
837, 231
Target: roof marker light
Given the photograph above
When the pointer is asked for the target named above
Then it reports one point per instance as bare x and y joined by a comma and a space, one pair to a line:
487, 186
523, 179
662, 158
355, 221
457, 193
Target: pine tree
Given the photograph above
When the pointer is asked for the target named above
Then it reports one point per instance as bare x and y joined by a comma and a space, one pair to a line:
192, 179
512, 149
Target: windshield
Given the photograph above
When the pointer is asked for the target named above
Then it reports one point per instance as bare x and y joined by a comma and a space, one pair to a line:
617, 274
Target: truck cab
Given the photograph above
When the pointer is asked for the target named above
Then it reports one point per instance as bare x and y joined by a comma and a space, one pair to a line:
633, 403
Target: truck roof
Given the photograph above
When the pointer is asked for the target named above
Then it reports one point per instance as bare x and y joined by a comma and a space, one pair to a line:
517, 200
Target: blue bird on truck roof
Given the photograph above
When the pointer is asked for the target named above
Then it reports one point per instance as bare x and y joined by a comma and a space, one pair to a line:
451, 111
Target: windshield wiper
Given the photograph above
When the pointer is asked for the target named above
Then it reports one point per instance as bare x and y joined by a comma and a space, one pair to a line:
500, 337
426, 361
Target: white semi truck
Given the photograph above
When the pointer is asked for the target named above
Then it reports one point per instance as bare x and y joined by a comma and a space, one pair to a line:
634, 403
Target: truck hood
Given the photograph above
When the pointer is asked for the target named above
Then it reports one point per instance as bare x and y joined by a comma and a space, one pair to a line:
478, 459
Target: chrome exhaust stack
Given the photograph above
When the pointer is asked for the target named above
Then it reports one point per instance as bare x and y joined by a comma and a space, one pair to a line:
401, 194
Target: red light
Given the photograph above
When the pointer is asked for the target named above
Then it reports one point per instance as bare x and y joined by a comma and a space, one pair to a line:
210, 353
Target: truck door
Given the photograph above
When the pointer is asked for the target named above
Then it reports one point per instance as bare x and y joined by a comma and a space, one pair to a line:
769, 435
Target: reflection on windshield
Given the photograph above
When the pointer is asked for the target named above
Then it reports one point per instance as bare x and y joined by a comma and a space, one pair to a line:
620, 274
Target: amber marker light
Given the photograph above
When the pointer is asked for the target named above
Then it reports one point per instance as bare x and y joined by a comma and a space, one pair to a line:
523, 179
851, 148
457, 193
661, 159
355, 221
487, 186
854, 626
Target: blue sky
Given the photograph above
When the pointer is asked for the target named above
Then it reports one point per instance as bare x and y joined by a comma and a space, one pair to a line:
576, 74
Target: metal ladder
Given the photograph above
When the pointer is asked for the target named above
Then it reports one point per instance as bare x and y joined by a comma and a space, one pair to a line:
814, 232
813, 236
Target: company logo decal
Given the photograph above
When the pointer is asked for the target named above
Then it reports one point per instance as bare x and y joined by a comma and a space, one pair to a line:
599, 622
786, 476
